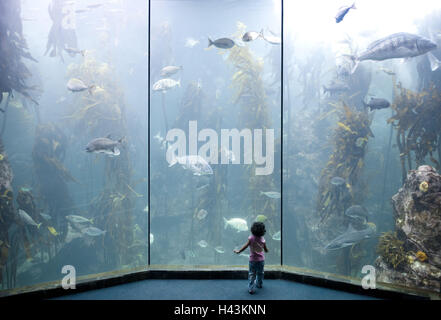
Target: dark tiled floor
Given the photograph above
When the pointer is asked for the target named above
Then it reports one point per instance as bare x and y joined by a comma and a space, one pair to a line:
213, 290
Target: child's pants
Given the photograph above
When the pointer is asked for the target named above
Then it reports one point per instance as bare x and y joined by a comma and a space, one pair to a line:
255, 274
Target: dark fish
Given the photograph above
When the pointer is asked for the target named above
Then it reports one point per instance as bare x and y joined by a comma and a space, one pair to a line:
223, 43
377, 103
397, 45
343, 11
73, 51
252, 35
350, 237
104, 145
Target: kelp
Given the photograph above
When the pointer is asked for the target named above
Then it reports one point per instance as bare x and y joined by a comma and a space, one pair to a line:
351, 133
91, 115
14, 74
249, 94
417, 118
48, 155
392, 250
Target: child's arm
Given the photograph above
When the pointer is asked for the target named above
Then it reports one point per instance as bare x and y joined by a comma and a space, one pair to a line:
243, 248
265, 248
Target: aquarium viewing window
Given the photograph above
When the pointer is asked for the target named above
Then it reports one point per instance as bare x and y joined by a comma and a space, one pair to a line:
142, 140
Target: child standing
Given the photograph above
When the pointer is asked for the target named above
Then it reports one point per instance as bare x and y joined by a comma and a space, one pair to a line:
257, 245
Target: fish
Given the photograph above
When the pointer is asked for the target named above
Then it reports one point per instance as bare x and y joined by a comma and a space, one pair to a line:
202, 244
152, 238
76, 85
104, 145
387, 71
252, 35
219, 249
93, 6
166, 84
74, 51
238, 224
272, 38
45, 216
190, 42
146, 209
261, 218
357, 211
201, 214
197, 164
377, 103
78, 219
335, 87
93, 231
337, 181
222, 43
271, 194
397, 45
53, 231
27, 218
277, 236
246, 255
343, 11
434, 62
170, 70
350, 236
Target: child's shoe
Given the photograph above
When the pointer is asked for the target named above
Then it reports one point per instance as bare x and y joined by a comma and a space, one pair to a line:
250, 291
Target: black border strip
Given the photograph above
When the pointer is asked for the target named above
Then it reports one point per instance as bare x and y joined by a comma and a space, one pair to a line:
281, 133
148, 133
213, 274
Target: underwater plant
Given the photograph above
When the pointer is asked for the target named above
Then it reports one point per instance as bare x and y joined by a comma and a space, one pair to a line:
345, 163
391, 250
416, 120
249, 93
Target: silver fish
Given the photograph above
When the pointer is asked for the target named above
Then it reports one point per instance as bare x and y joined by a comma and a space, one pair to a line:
166, 84
222, 43
277, 236
219, 249
78, 219
343, 11
272, 38
337, 181
74, 51
202, 244
271, 194
27, 218
93, 231
350, 237
397, 45
45, 216
76, 85
201, 214
197, 164
170, 70
104, 145
336, 86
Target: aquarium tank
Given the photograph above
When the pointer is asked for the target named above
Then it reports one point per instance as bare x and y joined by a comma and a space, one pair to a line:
144, 135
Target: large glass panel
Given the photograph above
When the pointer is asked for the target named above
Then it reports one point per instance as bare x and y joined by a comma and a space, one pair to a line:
217, 99
73, 158
357, 122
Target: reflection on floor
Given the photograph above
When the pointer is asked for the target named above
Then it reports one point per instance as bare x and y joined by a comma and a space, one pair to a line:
213, 290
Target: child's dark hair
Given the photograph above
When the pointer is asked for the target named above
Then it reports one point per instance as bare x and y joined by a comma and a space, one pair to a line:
258, 229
